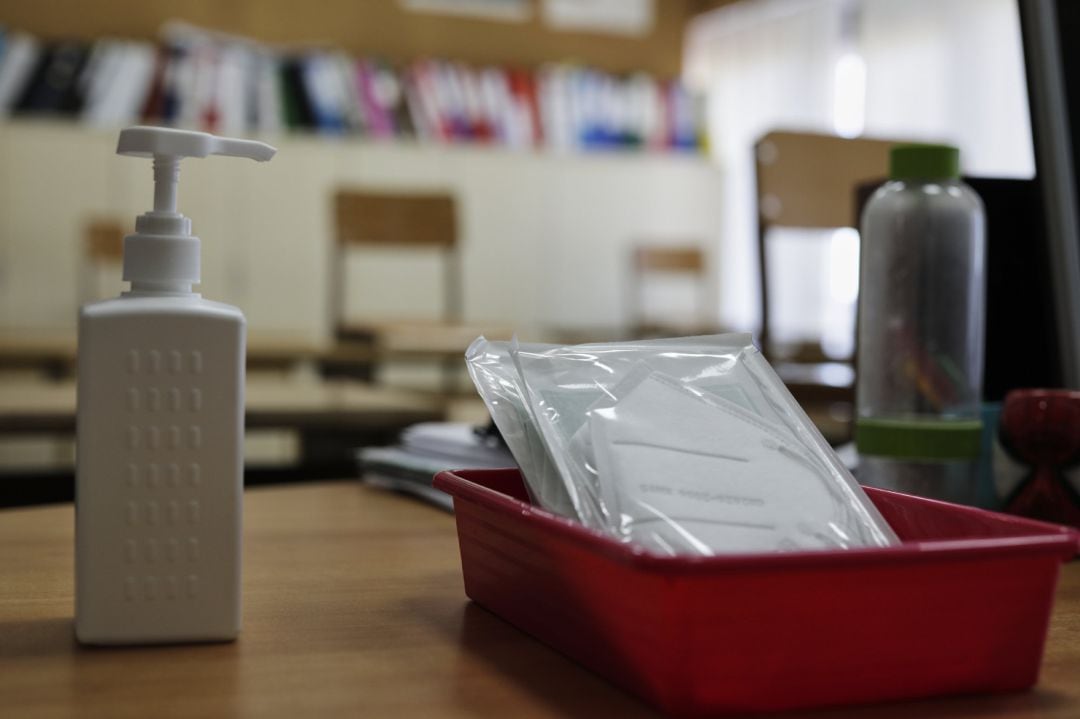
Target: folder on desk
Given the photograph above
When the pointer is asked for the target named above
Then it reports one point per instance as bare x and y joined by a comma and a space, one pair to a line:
426, 449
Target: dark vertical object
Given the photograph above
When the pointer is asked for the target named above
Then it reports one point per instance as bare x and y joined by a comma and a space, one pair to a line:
764, 341
453, 302
1050, 57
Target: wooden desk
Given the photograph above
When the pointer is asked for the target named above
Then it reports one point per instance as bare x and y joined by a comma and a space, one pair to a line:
49, 407
388, 340
354, 606
420, 340
55, 351
363, 349
330, 420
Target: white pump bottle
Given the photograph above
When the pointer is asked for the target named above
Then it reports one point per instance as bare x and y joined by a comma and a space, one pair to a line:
160, 429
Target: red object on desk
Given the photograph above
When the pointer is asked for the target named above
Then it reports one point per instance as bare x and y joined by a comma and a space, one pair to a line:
1041, 428
961, 606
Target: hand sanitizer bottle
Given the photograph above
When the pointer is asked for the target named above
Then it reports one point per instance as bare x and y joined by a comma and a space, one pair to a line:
160, 429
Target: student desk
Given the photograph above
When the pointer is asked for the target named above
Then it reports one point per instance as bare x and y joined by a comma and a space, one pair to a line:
49, 407
354, 606
54, 351
331, 418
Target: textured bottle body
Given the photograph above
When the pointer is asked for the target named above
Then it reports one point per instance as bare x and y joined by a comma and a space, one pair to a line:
159, 470
921, 328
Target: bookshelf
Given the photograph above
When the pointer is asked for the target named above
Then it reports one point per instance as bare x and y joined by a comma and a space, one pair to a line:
233, 85
546, 230
376, 27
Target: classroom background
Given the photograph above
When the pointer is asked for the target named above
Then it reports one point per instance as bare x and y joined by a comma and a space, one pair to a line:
562, 170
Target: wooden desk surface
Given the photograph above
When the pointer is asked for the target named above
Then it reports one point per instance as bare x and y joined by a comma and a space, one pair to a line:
38, 346
39, 406
391, 340
354, 606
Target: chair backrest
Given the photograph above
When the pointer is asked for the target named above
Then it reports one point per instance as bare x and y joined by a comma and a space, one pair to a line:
689, 259
104, 239
686, 260
407, 221
807, 180
103, 254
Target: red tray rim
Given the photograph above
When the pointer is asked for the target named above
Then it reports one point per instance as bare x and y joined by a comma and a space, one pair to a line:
1058, 540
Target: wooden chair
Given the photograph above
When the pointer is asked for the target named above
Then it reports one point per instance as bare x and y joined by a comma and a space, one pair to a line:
809, 181
103, 255
409, 222
655, 261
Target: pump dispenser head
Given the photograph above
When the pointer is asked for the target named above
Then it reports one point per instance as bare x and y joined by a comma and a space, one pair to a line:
162, 255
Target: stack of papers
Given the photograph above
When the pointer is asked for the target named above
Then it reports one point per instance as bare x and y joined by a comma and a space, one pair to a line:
427, 449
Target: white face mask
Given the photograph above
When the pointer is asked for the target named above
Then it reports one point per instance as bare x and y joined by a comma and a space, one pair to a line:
685, 473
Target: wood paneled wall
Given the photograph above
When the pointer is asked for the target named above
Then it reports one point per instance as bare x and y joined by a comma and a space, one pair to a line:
377, 27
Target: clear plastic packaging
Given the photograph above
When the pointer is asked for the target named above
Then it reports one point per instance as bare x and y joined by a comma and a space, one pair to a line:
682, 446
492, 371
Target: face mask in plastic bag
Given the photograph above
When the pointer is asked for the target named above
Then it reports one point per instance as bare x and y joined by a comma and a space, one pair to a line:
737, 395
567, 450
688, 474
561, 385
496, 377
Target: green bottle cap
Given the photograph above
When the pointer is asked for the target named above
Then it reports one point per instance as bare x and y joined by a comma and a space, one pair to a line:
924, 162
919, 439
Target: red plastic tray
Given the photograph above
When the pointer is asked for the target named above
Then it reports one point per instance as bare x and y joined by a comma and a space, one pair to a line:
961, 606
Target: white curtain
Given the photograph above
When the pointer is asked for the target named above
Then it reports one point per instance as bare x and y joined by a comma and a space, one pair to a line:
763, 65
951, 70
946, 70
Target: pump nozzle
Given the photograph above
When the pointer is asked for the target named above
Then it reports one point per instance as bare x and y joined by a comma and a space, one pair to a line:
162, 251
168, 146
155, 141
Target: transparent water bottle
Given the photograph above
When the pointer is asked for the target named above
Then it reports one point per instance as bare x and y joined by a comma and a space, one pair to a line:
922, 297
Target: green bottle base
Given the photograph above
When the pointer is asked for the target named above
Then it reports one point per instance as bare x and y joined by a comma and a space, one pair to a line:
930, 439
